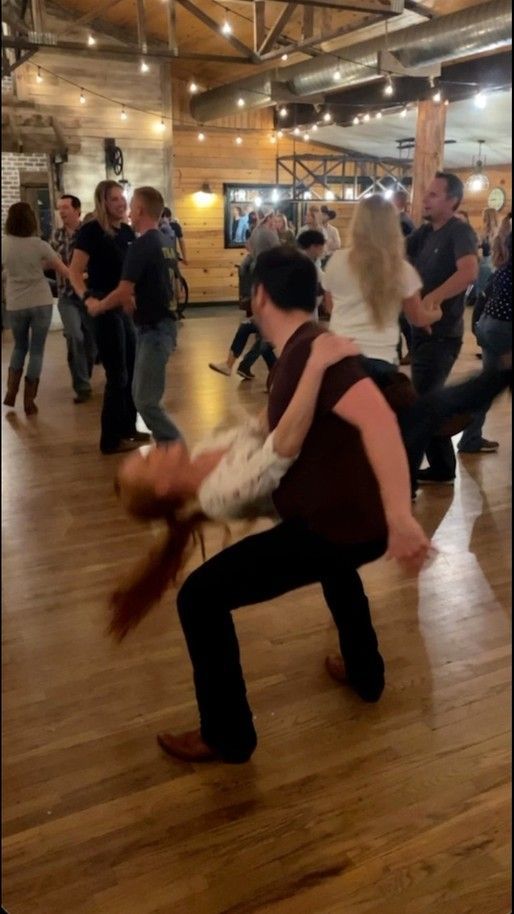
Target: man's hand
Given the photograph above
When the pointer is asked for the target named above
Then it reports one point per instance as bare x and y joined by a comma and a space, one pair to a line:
431, 305
129, 306
94, 306
408, 543
328, 349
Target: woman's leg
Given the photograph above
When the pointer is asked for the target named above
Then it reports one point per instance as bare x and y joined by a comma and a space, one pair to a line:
20, 325
40, 321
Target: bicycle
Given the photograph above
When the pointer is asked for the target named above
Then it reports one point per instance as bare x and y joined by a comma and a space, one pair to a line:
180, 290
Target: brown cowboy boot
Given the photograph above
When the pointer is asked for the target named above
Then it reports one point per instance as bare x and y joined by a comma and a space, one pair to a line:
13, 385
31, 386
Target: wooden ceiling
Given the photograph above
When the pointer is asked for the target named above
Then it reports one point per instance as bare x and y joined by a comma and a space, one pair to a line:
117, 19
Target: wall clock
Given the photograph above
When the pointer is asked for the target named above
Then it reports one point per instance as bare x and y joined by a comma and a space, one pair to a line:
496, 199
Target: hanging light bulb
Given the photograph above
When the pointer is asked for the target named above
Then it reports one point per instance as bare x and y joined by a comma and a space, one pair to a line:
280, 134
478, 180
283, 111
201, 137
144, 68
296, 131
437, 96
306, 137
314, 127
240, 102
480, 100
284, 57
226, 28
239, 140
378, 115
389, 87
337, 75
273, 138
82, 97
123, 114
193, 87
356, 120
403, 112
327, 117
39, 78
330, 195
91, 40
161, 126
446, 102
366, 118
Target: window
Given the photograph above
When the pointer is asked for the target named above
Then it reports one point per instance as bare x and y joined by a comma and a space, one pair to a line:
241, 200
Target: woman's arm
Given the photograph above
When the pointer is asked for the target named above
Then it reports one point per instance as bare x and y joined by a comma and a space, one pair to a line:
419, 314
291, 431
78, 267
55, 263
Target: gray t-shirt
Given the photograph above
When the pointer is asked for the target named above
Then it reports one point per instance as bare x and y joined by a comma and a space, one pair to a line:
262, 239
26, 285
435, 255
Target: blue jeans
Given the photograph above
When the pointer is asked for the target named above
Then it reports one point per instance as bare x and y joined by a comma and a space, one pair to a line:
259, 348
244, 331
80, 341
154, 345
433, 358
30, 328
495, 338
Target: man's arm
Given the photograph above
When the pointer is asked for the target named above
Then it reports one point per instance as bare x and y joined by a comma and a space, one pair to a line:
123, 295
182, 246
464, 276
364, 407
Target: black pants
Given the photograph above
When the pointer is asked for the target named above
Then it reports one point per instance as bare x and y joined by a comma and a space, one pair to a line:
432, 361
115, 338
254, 570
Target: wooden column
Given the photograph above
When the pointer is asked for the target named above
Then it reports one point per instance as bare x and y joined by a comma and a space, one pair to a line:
167, 110
429, 151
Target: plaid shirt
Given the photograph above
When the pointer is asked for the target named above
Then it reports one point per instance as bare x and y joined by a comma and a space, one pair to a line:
64, 244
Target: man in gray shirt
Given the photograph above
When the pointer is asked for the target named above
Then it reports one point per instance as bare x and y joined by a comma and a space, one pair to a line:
264, 236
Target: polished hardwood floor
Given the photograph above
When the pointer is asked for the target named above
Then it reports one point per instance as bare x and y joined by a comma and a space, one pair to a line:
398, 808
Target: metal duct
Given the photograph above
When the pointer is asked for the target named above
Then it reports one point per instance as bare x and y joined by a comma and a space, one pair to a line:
486, 27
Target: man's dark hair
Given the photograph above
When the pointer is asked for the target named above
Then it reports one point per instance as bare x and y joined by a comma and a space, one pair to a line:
75, 202
166, 212
306, 239
288, 277
454, 186
401, 197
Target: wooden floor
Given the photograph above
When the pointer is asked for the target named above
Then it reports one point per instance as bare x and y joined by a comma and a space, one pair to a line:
398, 808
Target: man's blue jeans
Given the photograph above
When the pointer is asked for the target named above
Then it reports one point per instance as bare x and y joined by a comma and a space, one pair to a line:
30, 328
433, 358
154, 345
80, 341
495, 338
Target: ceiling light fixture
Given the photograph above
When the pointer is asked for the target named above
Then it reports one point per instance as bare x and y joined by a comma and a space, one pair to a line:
437, 96
389, 87
239, 140
283, 112
366, 118
39, 78
356, 120
193, 87
201, 137
91, 41
403, 112
327, 117
123, 114
226, 28
478, 181
337, 75
144, 68
161, 126
296, 131
284, 57
480, 100
378, 115
82, 97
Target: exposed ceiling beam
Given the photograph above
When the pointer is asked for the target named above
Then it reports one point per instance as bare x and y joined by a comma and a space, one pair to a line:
308, 44
127, 52
97, 10
59, 134
279, 24
308, 22
22, 59
259, 24
38, 16
215, 27
380, 7
141, 24
171, 23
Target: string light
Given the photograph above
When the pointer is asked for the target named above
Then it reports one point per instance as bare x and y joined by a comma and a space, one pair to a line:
284, 57
437, 96
337, 75
296, 131
480, 100
403, 112
123, 114
193, 87
366, 118
378, 115
201, 137
82, 97
240, 102
283, 112
330, 195
273, 138
144, 68
91, 41
327, 117
389, 87
280, 134
446, 102
239, 140
39, 78
226, 28
306, 137
356, 120
161, 126
314, 127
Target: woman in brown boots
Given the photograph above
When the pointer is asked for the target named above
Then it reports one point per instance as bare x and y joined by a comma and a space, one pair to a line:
28, 299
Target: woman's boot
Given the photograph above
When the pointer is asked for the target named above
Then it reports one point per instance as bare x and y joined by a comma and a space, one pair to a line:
13, 386
30, 392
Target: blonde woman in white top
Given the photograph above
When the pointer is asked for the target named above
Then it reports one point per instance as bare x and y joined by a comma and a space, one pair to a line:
370, 283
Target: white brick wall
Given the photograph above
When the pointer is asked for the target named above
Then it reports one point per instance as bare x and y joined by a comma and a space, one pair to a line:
12, 164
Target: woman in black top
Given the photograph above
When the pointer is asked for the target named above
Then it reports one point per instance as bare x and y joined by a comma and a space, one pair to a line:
100, 250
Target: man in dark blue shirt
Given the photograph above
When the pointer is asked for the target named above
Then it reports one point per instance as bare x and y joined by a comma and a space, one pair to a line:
146, 291
444, 253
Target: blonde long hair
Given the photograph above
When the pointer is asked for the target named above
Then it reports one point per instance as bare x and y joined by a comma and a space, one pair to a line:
490, 222
376, 256
101, 214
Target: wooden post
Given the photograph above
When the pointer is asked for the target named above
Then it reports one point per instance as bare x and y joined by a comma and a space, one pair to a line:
167, 110
428, 152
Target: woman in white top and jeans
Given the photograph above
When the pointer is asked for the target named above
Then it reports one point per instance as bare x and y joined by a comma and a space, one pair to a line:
29, 299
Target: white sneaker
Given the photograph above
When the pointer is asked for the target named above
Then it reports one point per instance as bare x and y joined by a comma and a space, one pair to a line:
222, 367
